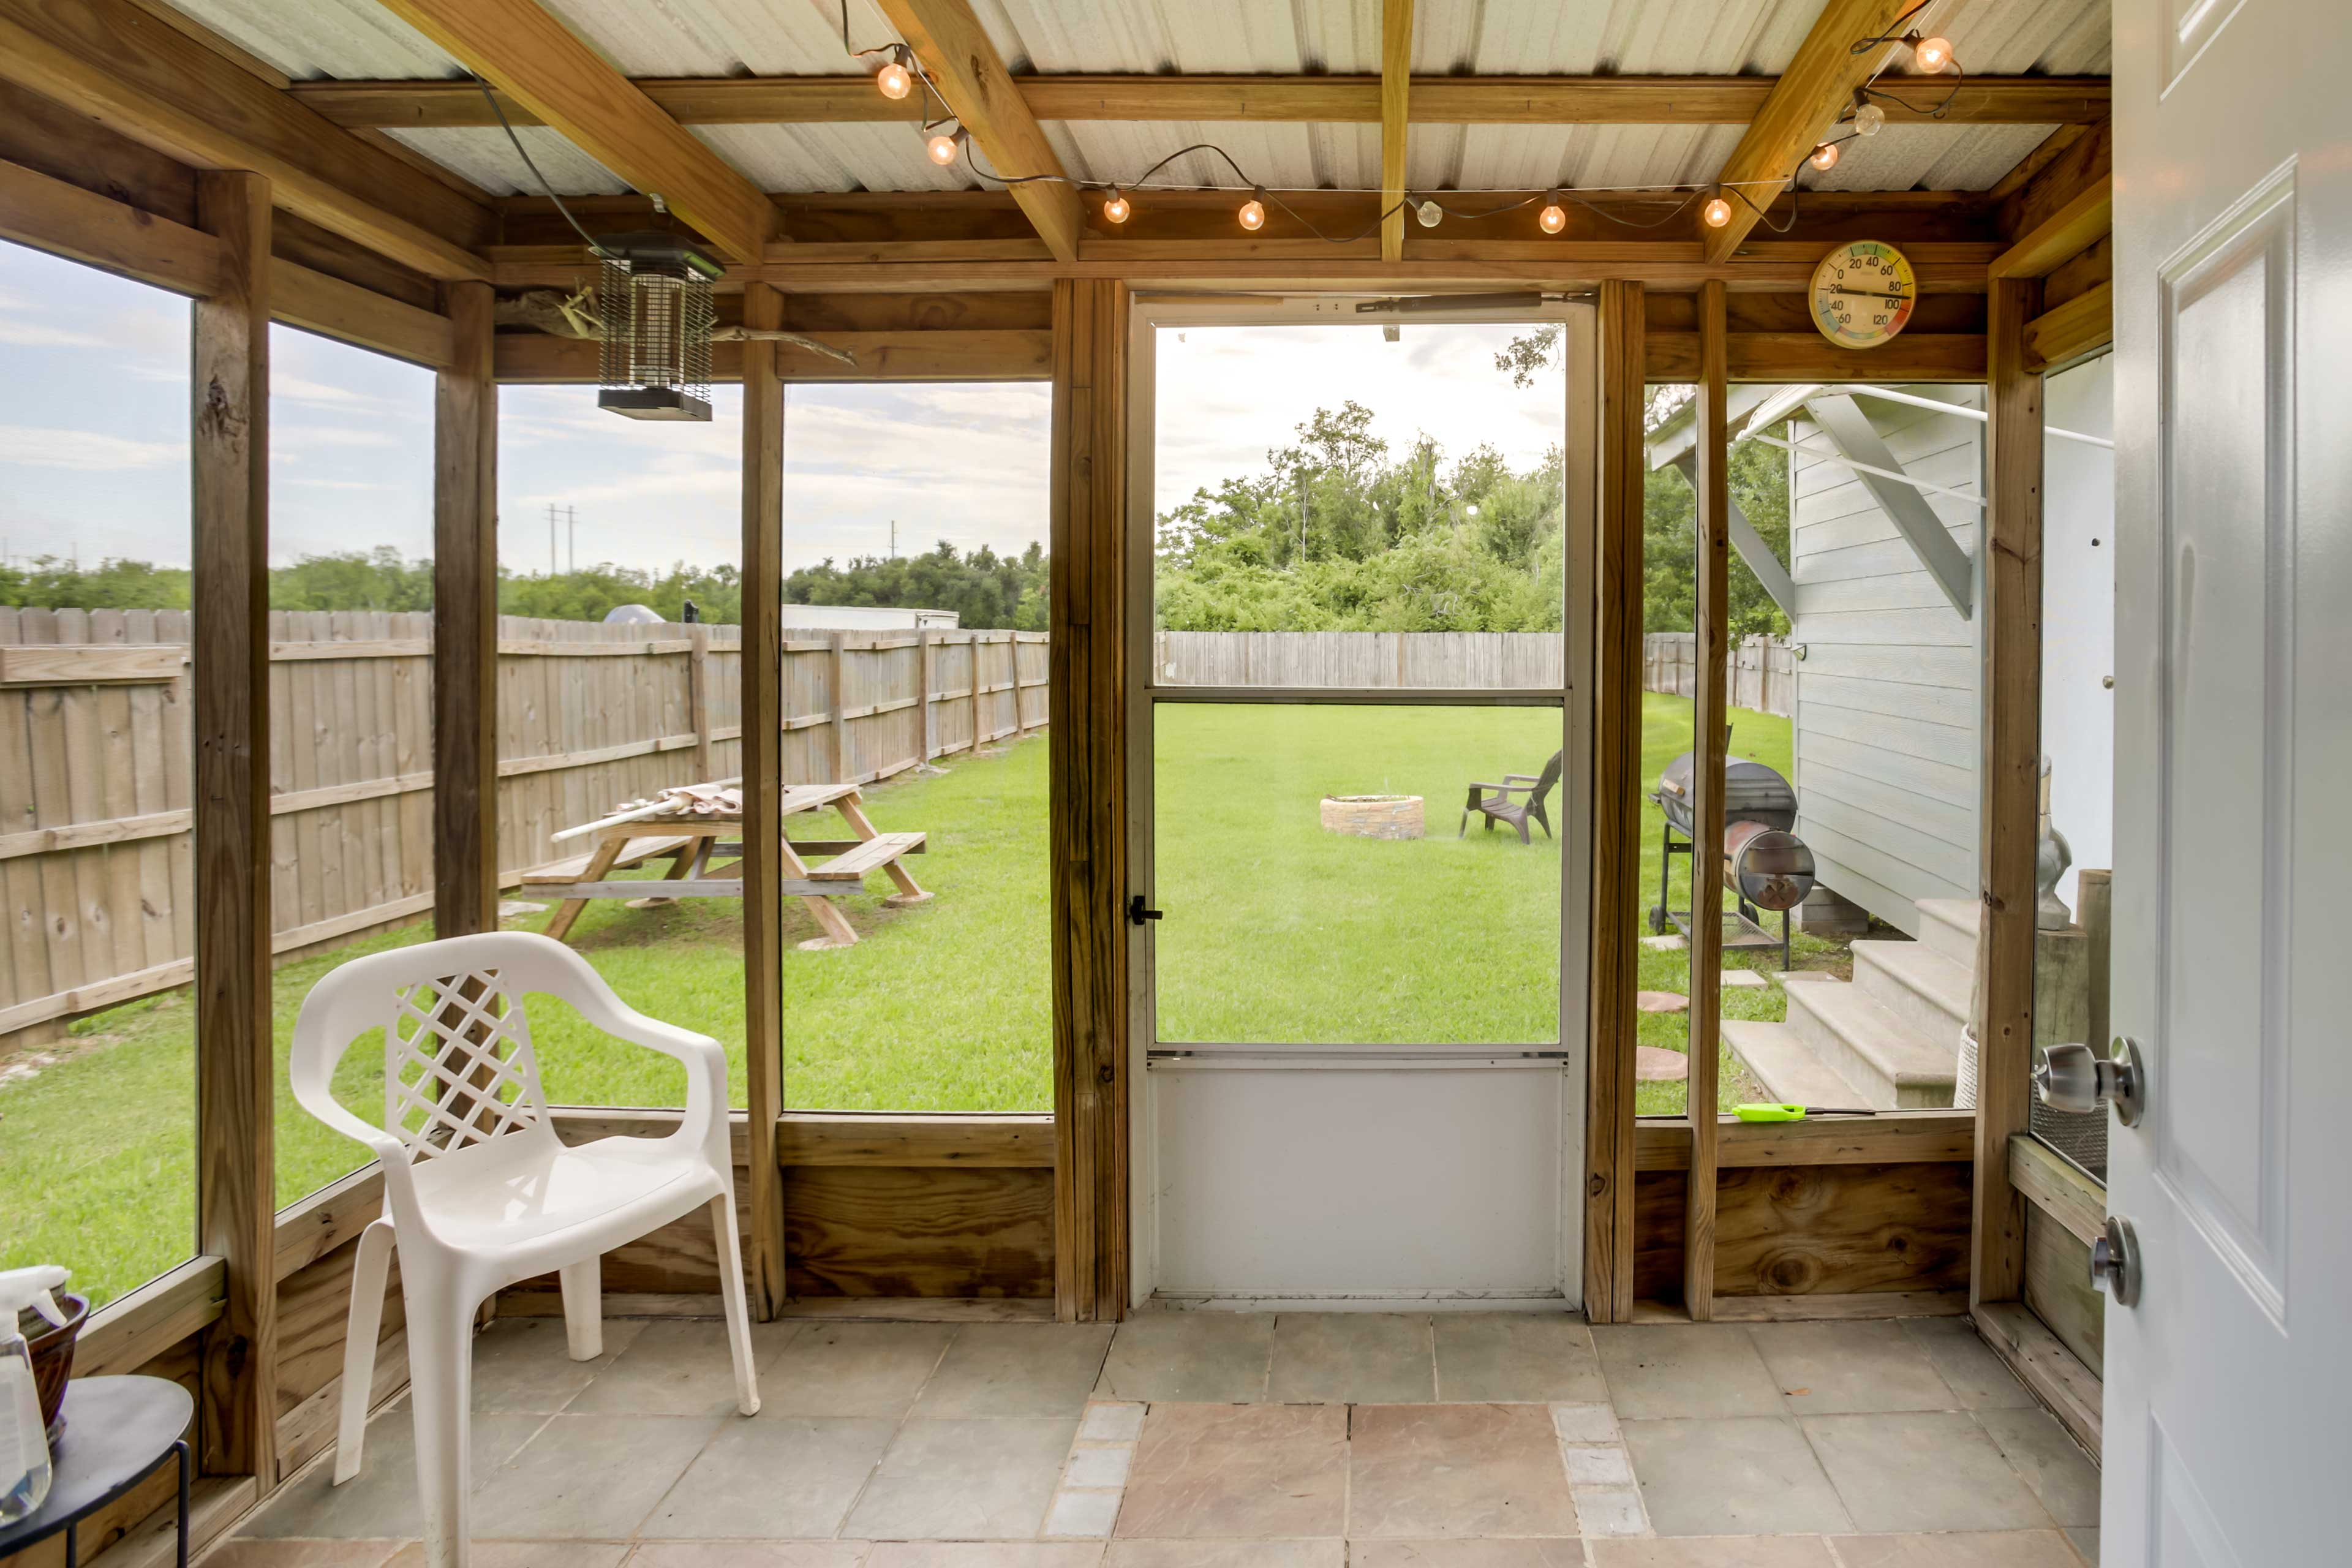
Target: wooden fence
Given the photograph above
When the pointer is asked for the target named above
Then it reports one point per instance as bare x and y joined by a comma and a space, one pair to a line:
1358, 659
1763, 670
96, 875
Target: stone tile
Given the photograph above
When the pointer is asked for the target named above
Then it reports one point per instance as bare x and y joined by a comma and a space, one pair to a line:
1017, 1369
2006, 1549
1716, 1552
1103, 1467
2052, 1464
1610, 1510
245, 1552
1082, 1512
677, 1367
381, 1502
1240, 1471
1968, 1368
740, 1554
872, 1370
1327, 1554
1448, 1470
1836, 1369
1921, 1472
1584, 1423
520, 1364
972, 1480
593, 1477
1596, 1465
1197, 1357
1754, 1475
2086, 1545
528, 1554
1662, 1371
985, 1554
1109, 1422
1499, 1357
1351, 1358
777, 1476
1745, 980
1563, 1552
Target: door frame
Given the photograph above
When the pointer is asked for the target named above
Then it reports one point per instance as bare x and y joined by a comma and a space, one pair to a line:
1580, 440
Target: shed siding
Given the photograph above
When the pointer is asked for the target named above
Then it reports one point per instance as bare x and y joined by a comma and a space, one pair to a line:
1888, 691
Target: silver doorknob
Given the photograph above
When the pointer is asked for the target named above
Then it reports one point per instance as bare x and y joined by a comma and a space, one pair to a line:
2072, 1076
2115, 1262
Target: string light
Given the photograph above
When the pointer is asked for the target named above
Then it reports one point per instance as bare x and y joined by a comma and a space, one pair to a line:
1429, 214
1114, 207
1554, 218
1825, 156
1253, 214
1717, 212
1932, 54
1869, 119
945, 146
894, 79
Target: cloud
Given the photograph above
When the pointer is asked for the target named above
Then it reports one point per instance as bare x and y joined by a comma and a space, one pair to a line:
34, 335
34, 446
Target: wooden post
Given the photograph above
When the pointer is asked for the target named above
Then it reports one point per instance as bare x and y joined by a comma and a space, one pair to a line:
978, 687
763, 768
466, 624
923, 675
229, 512
697, 701
1088, 759
1616, 824
1711, 650
2008, 818
838, 663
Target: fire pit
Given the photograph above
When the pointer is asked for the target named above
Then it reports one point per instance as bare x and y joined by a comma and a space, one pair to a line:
1372, 816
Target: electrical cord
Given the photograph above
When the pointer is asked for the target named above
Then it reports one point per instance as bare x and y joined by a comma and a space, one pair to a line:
524, 153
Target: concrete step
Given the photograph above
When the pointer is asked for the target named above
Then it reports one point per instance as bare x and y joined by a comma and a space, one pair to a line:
1787, 1068
1893, 1066
1923, 987
1949, 926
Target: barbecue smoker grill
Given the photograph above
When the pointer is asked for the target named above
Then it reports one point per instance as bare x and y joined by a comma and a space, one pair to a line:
1768, 867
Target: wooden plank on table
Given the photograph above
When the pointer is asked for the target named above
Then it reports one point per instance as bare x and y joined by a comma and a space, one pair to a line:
1610, 1206
1088, 744
870, 855
2010, 774
229, 515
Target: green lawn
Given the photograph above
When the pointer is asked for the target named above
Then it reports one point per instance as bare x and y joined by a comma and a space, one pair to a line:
1274, 930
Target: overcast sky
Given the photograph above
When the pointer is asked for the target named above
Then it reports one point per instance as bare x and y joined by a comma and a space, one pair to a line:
93, 442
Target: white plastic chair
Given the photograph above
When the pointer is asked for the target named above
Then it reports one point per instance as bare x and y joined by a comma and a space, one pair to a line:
479, 1193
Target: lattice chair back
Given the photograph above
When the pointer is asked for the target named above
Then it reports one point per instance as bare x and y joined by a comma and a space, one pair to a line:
458, 1068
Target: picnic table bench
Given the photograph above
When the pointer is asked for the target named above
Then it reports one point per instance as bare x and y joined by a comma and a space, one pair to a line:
691, 838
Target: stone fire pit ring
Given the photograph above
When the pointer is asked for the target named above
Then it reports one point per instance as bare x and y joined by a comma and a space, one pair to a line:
1373, 816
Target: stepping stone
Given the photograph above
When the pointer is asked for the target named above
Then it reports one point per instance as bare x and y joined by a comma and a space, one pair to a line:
1661, 1001
1792, 976
1745, 980
516, 909
1655, 1064
1670, 942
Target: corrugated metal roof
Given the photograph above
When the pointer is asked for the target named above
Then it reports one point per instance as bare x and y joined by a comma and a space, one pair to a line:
359, 39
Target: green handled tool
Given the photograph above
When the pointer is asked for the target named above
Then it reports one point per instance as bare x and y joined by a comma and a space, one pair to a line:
1769, 1113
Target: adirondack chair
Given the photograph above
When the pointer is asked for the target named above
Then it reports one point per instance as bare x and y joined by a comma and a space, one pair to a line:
1495, 801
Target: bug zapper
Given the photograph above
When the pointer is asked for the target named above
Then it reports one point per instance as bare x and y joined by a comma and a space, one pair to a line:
654, 298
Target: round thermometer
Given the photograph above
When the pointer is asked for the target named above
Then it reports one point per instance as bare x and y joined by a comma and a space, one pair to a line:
1862, 293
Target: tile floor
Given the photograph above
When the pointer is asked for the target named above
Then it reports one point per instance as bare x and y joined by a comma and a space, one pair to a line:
1215, 1440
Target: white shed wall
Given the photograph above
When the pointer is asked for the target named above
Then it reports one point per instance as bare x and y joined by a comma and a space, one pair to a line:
1887, 746
2078, 615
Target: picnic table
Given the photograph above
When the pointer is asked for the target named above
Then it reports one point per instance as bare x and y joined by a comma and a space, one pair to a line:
690, 838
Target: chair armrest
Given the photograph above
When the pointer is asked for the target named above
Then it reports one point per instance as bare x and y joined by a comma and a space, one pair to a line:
703, 1124
1524, 778
1503, 788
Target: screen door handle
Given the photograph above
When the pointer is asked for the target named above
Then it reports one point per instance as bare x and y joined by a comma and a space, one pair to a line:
1137, 912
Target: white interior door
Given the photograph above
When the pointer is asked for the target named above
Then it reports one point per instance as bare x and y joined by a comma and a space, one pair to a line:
2229, 1382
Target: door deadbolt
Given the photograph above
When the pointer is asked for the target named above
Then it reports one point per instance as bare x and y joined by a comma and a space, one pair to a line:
2115, 1262
2071, 1076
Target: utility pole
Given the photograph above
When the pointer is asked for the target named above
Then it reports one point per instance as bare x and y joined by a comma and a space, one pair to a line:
570, 517
893, 539
552, 567
571, 536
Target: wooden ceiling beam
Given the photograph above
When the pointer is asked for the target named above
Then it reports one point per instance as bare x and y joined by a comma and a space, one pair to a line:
2082, 223
522, 48
1297, 99
1802, 106
117, 63
964, 66
1396, 89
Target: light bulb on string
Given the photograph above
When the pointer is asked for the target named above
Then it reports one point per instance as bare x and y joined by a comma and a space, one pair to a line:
1932, 54
1869, 119
1718, 211
1825, 156
1114, 207
894, 79
1253, 213
1429, 214
945, 146
1554, 218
